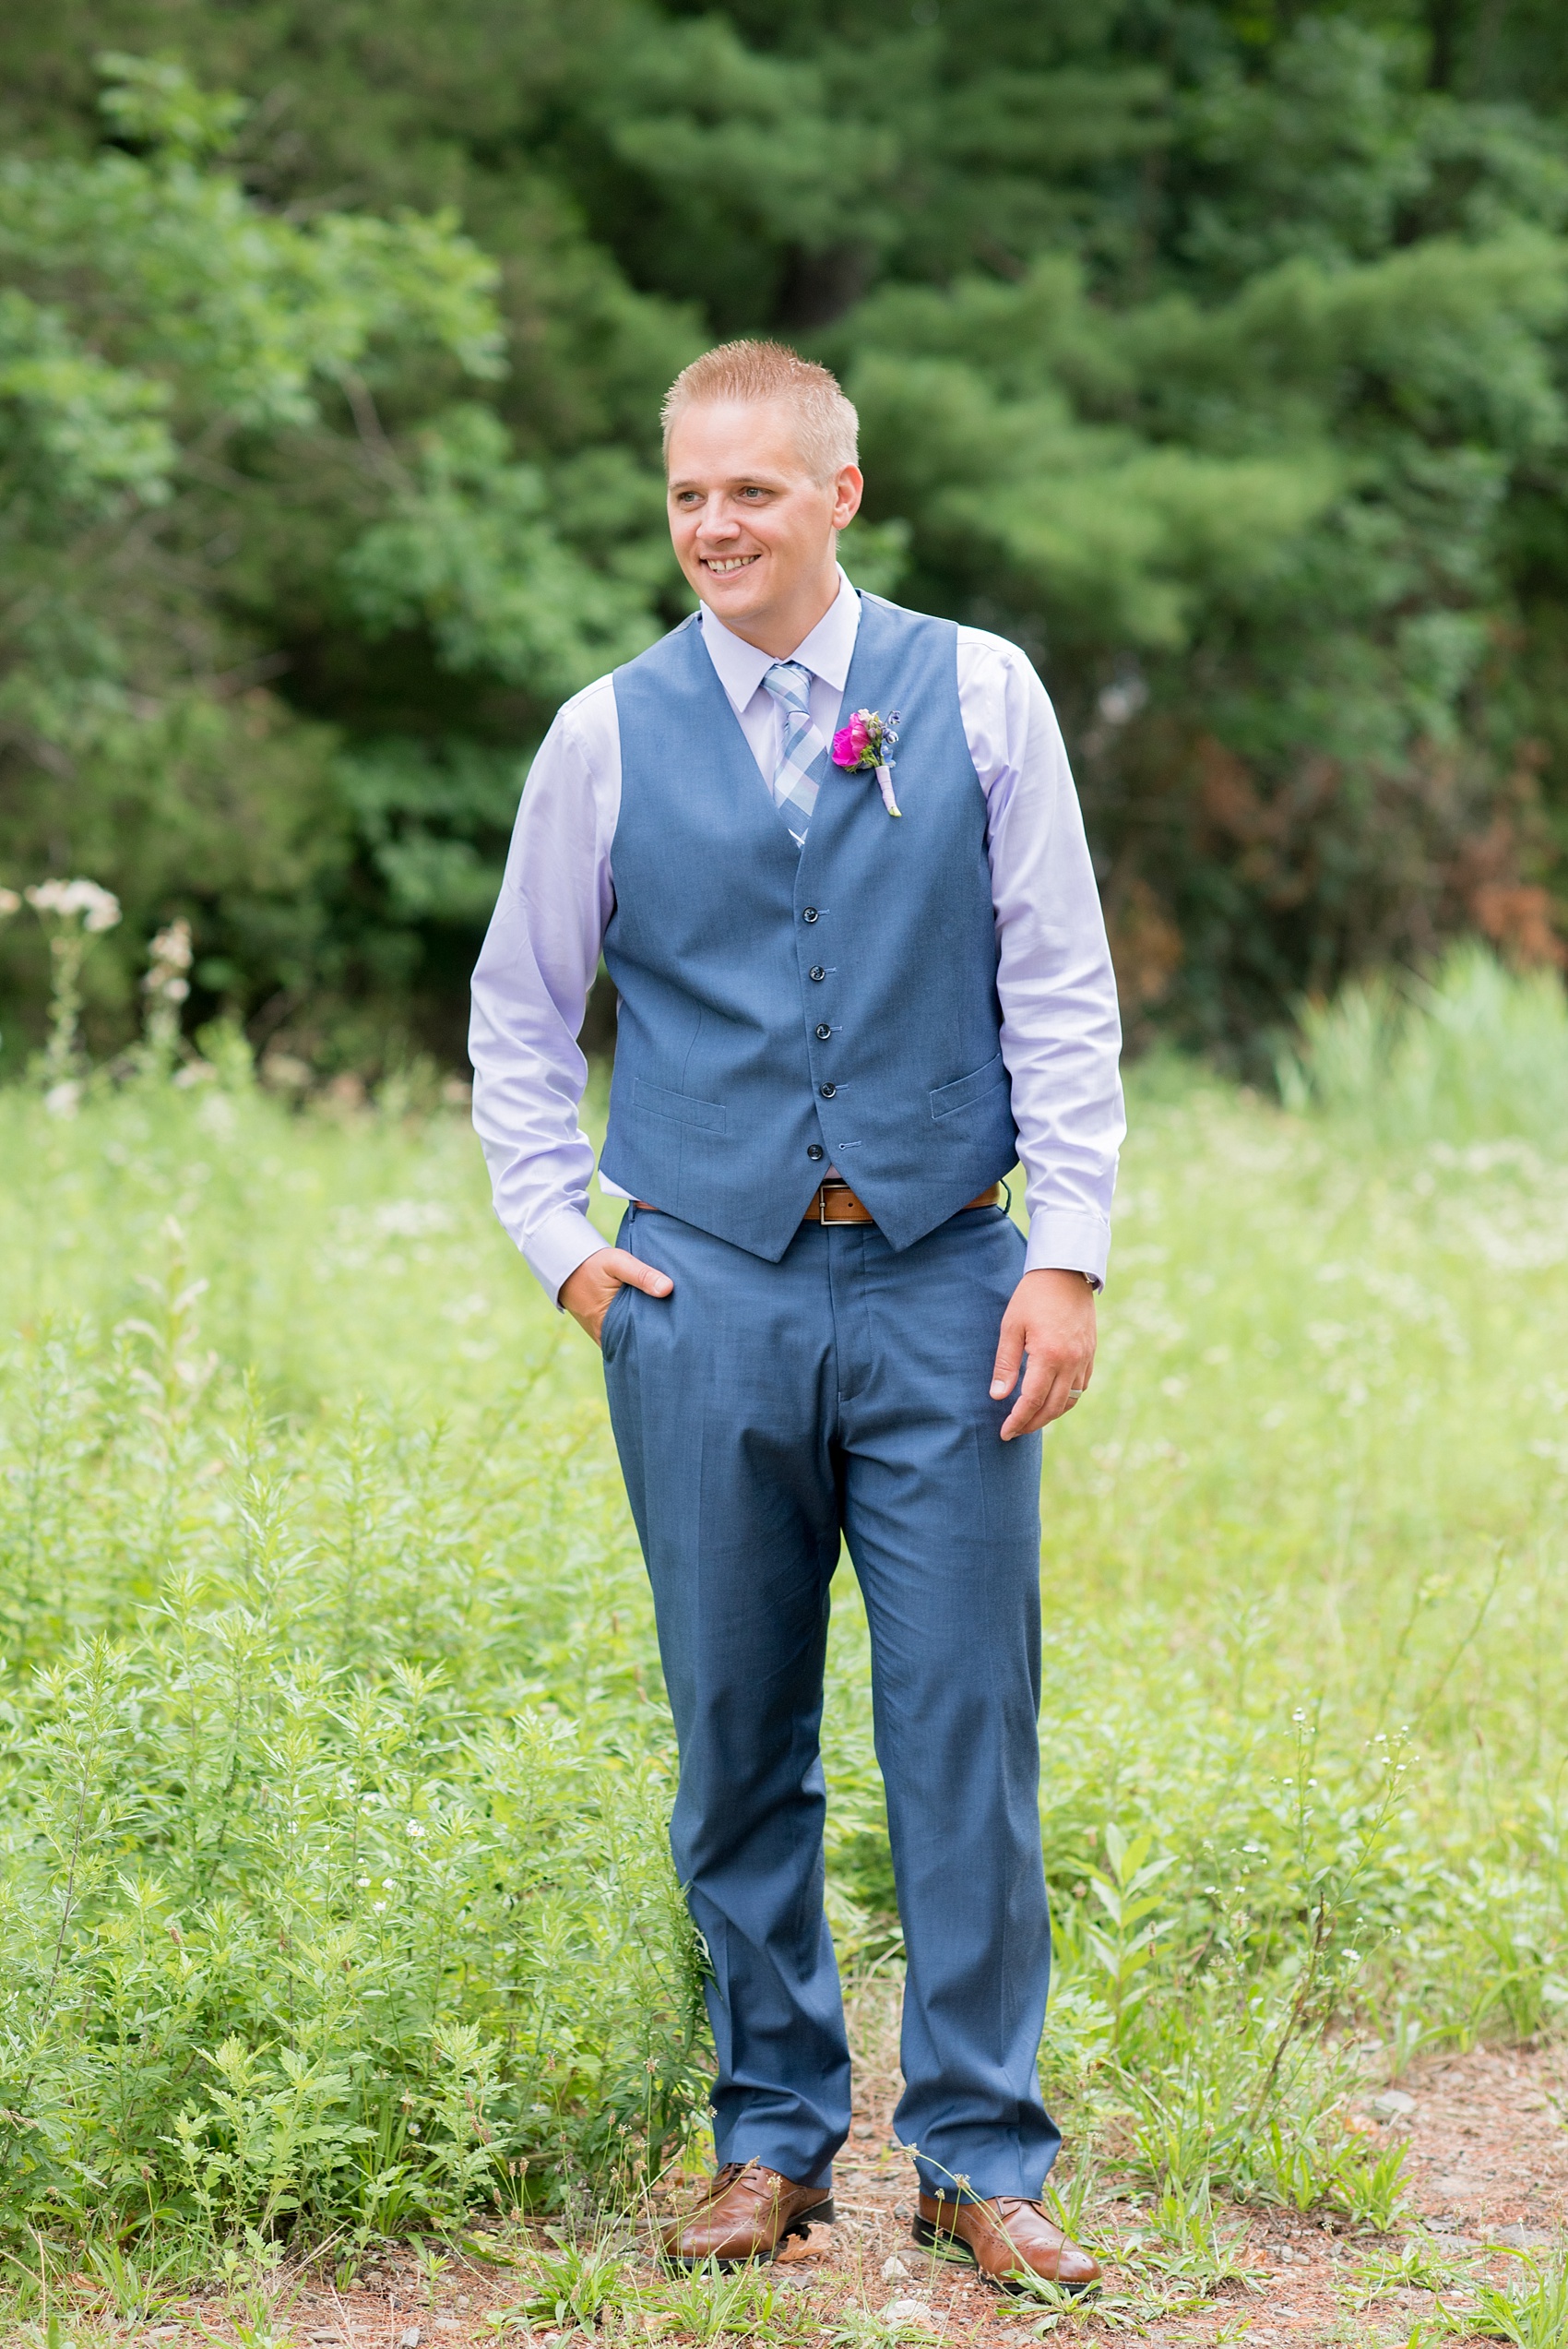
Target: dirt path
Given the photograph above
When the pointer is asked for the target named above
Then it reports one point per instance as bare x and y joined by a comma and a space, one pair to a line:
1489, 2161
1488, 2164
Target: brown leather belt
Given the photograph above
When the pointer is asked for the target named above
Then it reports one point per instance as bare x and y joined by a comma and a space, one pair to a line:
837, 1203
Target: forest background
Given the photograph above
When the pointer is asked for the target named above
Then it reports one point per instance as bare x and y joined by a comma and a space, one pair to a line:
1215, 353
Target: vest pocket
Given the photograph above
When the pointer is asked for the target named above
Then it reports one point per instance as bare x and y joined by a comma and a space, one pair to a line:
964, 1090
683, 1109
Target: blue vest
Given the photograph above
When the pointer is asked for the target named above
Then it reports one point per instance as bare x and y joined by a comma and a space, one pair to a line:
783, 1011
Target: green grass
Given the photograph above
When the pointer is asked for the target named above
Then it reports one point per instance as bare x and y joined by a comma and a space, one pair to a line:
332, 1888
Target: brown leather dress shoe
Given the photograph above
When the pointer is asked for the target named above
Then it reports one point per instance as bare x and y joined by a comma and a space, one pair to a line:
1008, 2238
745, 2212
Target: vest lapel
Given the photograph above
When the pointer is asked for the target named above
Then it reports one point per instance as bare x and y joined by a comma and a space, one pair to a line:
730, 733
843, 789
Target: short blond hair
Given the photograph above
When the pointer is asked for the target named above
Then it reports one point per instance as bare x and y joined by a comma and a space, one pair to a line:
826, 422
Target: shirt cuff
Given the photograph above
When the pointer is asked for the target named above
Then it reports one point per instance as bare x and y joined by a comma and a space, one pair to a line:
562, 1242
1066, 1240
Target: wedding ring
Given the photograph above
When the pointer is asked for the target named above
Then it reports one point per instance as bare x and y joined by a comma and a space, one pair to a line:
1076, 1391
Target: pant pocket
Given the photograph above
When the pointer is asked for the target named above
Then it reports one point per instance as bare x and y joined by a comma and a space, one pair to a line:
614, 1321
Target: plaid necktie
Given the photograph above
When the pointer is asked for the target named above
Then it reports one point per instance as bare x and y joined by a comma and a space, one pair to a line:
800, 747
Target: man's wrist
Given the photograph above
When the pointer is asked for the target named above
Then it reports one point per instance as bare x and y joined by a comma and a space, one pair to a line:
556, 1249
1065, 1239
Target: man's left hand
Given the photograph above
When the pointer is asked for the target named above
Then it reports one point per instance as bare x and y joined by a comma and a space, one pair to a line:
1051, 1321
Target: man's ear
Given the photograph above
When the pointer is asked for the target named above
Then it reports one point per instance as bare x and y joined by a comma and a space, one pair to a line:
848, 488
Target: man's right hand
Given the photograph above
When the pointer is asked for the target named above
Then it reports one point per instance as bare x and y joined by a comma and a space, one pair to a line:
585, 1293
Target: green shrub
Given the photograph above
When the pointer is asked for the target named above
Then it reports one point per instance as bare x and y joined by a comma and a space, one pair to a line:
292, 1932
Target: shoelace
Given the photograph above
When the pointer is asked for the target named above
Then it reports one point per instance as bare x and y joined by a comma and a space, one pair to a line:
722, 2181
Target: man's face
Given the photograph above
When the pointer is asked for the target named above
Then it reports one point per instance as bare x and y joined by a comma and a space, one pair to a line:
753, 533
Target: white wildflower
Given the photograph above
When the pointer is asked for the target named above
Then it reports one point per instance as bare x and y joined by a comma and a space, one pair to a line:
166, 987
173, 945
96, 909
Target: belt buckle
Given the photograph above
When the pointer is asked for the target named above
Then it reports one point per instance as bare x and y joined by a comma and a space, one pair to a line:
822, 1190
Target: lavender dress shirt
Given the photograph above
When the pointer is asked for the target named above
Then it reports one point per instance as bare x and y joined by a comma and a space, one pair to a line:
1061, 1035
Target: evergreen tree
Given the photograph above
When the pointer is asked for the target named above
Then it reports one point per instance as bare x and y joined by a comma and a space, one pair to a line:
1215, 353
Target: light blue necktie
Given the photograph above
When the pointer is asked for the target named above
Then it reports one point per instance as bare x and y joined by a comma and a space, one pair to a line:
800, 749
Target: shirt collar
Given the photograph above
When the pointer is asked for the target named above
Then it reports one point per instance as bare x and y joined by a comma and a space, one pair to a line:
826, 651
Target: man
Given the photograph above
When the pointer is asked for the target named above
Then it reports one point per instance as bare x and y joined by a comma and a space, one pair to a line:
839, 1026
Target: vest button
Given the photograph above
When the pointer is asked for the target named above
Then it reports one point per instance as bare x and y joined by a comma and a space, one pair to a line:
823, 1033
817, 971
828, 1091
808, 913
815, 1150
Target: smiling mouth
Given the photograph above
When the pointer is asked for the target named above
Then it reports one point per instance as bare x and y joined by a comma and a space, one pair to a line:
726, 563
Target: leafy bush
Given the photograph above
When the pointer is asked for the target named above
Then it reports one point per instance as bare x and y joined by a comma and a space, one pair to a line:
280, 1945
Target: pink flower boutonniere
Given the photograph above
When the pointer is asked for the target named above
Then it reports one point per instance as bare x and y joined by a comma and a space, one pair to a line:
865, 745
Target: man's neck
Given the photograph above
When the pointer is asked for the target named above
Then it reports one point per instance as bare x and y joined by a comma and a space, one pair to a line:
781, 631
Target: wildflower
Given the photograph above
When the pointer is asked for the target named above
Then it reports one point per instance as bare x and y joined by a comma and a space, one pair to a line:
78, 909
171, 954
379, 1907
173, 945
166, 987
98, 909
414, 1828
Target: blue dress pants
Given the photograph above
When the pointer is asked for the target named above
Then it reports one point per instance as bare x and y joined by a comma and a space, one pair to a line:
764, 1412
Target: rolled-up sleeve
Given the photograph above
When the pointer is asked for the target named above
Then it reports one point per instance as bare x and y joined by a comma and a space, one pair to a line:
530, 989
1061, 1029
